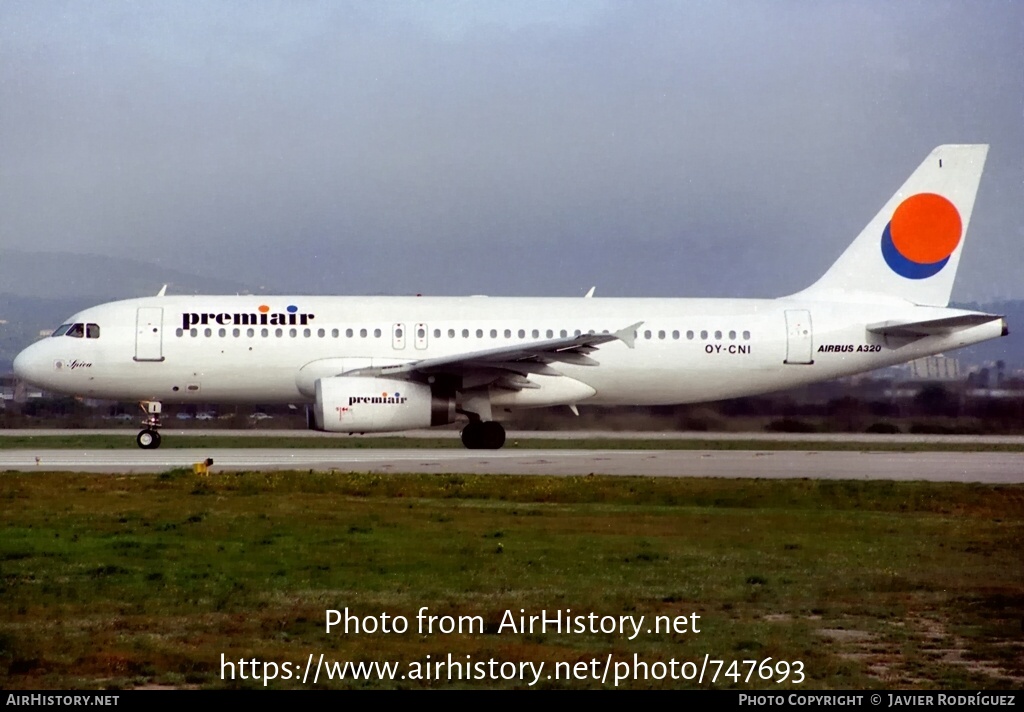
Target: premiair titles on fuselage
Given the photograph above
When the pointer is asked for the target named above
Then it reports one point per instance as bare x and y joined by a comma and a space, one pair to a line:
264, 318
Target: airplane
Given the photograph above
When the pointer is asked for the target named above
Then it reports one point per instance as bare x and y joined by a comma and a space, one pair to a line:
381, 364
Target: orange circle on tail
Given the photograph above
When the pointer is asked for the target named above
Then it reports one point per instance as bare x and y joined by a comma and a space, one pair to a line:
926, 228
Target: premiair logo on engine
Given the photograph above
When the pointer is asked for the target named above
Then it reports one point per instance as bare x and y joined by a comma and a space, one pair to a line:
291, 316
384, 399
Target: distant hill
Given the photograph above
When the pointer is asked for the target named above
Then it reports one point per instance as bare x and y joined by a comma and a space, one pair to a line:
96, 279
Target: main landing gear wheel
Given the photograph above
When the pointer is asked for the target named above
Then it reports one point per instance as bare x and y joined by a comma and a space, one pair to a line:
481, 435
148, 439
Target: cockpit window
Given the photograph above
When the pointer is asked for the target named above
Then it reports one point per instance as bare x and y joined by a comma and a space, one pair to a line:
78, 331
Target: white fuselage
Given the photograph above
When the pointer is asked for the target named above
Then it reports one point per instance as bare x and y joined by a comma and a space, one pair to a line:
223, 349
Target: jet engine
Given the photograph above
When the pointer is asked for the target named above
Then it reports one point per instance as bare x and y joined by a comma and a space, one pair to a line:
360, 404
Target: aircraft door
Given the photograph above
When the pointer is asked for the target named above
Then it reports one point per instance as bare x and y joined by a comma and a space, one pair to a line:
799, 337
398, 337
149, 339
421, 336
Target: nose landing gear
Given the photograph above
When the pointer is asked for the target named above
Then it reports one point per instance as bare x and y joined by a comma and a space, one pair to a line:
148, 438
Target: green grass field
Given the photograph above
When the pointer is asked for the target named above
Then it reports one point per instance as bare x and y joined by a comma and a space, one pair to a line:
121, 581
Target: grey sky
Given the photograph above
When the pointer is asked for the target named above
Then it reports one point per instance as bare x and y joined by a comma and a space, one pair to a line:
650, 148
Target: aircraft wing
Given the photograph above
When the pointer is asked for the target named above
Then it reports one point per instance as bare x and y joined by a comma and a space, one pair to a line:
929, 327
512, 364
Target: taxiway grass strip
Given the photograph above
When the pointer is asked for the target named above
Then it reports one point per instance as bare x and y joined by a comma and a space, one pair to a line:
172, 442
114, 581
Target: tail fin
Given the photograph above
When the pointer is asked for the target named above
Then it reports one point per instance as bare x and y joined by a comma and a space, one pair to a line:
911, 249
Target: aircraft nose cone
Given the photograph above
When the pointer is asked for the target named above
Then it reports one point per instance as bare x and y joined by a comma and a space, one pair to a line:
27, 366
21, 366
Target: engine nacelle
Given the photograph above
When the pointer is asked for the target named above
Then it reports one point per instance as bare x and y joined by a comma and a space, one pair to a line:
354, 404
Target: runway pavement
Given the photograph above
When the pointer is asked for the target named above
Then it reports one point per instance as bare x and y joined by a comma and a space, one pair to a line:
452, 434
989, 467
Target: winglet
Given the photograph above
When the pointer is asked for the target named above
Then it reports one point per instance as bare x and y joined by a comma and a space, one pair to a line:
162, 292
589, 294
628, 335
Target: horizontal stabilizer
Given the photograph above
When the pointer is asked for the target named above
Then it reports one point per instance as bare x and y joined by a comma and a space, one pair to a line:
930, 327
